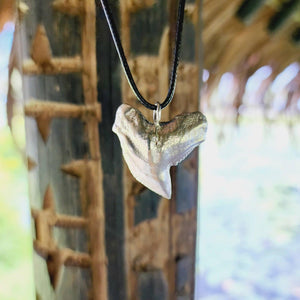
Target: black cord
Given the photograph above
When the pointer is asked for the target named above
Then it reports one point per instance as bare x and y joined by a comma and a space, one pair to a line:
119, 48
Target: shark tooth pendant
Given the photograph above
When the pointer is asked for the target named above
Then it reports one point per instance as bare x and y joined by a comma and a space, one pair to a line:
150, 149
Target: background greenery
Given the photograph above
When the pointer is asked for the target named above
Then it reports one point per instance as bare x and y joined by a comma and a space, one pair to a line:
16, 279
16, 273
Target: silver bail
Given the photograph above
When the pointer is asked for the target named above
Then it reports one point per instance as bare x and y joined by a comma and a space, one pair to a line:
157, 114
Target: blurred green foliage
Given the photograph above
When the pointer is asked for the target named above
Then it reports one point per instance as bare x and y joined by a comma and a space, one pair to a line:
16, 274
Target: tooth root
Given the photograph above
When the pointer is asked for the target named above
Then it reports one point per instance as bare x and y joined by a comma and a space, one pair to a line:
41, 51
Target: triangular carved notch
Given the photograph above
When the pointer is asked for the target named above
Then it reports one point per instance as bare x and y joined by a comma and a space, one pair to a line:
41, 51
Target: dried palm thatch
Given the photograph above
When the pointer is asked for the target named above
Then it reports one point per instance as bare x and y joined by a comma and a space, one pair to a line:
240, 36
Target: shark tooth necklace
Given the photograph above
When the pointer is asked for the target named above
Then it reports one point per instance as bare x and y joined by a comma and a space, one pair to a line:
150, 149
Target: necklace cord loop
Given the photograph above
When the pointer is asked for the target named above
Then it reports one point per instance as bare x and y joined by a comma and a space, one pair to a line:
120, 51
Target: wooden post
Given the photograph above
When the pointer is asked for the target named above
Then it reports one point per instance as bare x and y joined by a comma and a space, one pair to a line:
68, 214
159, 233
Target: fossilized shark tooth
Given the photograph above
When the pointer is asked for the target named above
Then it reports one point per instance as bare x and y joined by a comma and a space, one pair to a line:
150, 150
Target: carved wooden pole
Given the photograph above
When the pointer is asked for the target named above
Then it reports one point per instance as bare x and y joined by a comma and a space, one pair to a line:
67, 204
99, 234
159, 233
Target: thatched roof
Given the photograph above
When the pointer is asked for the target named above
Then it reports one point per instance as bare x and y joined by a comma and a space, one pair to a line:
230, 39
240, 36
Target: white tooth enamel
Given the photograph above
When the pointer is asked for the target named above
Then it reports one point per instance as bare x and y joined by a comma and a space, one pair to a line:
150, 151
